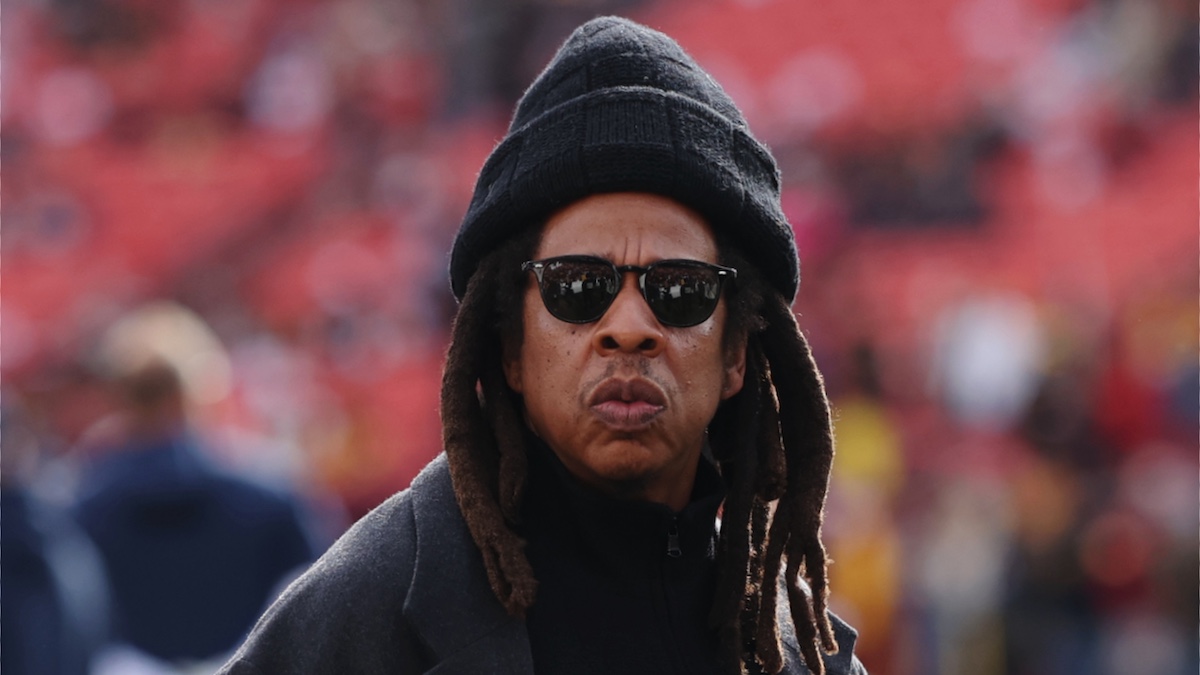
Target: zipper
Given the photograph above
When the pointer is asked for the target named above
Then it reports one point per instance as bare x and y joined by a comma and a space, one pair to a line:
673, 549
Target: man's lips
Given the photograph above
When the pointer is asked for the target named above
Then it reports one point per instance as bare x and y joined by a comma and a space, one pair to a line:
627, 405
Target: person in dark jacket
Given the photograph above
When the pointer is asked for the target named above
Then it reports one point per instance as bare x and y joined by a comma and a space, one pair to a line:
624, 368
54, 596
194, 552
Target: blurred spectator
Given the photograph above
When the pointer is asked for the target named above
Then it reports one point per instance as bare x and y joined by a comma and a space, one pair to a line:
960, 563
867, 477
1049, 619
194, 553
989, 351
53, 594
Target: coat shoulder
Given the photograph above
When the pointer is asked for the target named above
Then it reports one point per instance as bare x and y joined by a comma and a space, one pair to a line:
843, 662
346, 612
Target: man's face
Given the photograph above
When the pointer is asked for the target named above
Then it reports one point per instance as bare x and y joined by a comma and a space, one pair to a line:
624, 401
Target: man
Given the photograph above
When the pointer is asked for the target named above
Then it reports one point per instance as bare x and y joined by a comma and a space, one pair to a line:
193, 552
619, 370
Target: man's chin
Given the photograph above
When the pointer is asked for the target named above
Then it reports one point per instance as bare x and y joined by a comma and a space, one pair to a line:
634, 488
626, 473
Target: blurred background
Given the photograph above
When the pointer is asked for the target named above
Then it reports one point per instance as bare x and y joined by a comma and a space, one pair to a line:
226, 227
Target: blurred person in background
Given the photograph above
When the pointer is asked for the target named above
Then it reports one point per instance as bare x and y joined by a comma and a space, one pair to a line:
54, 604
593, 433
866, 480
194, 552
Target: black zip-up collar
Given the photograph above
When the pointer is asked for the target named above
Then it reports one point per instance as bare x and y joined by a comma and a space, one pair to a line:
620, 529
624, 586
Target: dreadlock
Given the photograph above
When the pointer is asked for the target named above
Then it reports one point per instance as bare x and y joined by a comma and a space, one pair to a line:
772, 442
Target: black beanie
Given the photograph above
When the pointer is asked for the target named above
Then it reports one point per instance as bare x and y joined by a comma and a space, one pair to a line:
622, 108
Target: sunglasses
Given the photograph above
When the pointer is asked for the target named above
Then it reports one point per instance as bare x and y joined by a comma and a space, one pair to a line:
580, 288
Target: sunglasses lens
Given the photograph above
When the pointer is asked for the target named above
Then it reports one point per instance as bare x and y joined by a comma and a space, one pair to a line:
682, 295
578, 291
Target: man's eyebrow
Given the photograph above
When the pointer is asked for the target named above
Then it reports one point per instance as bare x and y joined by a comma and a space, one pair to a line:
589, 253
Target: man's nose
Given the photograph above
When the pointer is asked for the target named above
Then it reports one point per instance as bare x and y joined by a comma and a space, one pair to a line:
629, 326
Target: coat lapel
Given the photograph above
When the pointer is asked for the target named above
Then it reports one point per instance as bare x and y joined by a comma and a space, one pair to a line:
450, 602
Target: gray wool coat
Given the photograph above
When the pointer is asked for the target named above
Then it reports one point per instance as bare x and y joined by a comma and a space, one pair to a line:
404, 591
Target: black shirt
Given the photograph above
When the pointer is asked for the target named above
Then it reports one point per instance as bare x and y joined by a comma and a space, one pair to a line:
623, 586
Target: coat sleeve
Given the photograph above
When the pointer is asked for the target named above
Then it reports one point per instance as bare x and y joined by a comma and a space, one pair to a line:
345, 614
844, 661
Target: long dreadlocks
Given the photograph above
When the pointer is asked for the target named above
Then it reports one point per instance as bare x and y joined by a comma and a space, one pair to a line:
772, 442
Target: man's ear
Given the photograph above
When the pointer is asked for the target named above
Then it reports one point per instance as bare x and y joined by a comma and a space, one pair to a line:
512, 371
735, 372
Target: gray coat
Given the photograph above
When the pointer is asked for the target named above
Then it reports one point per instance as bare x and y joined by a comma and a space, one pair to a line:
404, 591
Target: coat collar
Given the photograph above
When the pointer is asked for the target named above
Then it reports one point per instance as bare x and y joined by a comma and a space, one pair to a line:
452, 606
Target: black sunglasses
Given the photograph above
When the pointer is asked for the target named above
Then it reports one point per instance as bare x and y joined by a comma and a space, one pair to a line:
580, 288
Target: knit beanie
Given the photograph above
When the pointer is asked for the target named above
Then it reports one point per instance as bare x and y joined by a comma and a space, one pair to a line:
622, 108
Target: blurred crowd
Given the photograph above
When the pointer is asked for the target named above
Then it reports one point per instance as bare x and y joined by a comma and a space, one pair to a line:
225, 304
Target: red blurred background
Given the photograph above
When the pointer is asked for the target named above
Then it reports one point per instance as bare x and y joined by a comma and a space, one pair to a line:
995, 203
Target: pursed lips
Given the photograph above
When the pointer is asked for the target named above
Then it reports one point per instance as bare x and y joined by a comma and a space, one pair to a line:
627, 405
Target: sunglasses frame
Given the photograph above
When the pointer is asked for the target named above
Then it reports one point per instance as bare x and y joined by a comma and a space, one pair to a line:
538, 267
